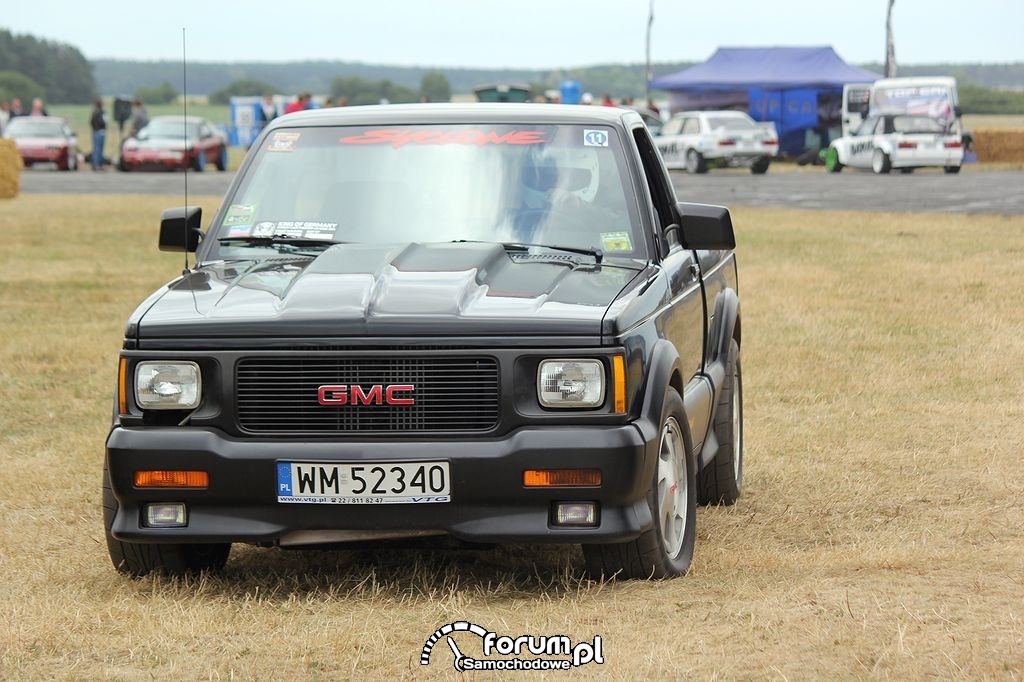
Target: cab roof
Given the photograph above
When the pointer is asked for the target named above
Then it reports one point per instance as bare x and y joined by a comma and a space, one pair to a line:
420, 114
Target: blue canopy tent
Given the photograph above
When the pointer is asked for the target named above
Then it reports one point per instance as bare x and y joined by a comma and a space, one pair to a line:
797, 88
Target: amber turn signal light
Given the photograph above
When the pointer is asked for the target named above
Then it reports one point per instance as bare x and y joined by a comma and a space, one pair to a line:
561, 478
619, 383
122, 387
172, 479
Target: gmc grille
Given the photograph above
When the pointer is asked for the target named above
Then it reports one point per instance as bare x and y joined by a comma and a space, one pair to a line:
279, 395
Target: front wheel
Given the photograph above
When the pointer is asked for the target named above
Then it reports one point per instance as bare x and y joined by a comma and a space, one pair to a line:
199, 163
832, 163
137, 559
951, 170
666, 550
222, 158
880, 162
760, 167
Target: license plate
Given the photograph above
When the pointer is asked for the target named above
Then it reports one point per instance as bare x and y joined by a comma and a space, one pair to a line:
363, 482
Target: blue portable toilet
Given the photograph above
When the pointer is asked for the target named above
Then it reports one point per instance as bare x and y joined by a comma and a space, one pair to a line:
570, 92
247, 119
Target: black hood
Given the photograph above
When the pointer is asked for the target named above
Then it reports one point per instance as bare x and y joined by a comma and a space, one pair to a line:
387, 290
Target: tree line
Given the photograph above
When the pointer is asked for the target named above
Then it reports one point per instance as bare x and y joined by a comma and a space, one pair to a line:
57, 72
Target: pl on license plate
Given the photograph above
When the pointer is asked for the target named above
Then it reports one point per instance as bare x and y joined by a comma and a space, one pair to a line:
363, 482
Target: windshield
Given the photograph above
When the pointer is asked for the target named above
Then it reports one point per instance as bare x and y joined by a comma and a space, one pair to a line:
169, 129
25, 127
731, 123
552, 185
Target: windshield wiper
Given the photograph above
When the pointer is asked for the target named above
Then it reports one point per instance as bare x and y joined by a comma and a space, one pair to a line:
597, 254
275, 240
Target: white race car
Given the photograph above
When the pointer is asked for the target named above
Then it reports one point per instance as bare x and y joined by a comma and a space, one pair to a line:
900, 141
695, 140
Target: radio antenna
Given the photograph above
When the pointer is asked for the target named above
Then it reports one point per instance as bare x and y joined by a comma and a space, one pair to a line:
184, 134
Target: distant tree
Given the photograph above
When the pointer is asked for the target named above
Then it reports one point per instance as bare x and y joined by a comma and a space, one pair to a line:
161, 94
976, 99
60, 69
244, 87
358, 91
435, 87
14, 84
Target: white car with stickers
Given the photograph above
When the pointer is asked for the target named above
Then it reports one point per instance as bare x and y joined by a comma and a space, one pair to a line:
696, 140
900, 141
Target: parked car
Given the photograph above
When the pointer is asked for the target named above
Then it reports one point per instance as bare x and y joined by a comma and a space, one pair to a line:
466, 323
900, 141
175, 142
44, 140
698, 140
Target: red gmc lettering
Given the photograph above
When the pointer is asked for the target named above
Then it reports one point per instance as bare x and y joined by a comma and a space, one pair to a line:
377, 394
389, 394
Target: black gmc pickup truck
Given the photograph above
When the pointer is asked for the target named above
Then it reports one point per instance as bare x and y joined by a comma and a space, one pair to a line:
491, 323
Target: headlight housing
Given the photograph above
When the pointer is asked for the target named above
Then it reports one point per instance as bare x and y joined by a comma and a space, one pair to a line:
570, 383
174, 385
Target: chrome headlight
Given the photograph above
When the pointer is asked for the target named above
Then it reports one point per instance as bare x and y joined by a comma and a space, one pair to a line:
570, 383
173, 385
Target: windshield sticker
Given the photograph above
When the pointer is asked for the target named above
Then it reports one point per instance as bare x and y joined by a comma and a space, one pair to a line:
616, 241
397, 137
239, 231
239, 214
297, 229
595, 138
283, 142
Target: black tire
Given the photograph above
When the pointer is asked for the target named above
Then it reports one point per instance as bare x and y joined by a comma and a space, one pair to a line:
951, 170
650, 556
222, 158
880, 162
906, 171
695, 162
721, 481
121, 165
199, 163
760, 167
137, 559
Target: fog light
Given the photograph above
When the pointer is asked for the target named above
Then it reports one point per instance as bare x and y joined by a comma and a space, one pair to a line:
166, 515
575, 514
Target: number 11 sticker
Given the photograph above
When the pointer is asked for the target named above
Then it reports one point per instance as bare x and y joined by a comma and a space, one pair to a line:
595, 138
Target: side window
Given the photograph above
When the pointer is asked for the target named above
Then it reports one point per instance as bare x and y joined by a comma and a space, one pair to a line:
657, 183
692, 126
673, 126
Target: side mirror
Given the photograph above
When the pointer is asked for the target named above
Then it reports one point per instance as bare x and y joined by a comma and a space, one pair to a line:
704, 226
179, 228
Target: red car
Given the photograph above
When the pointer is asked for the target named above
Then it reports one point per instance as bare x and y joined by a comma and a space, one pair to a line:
172, 142
44, 139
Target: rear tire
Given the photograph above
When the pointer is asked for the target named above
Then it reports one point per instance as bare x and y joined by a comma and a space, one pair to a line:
760, 167
721, 481
951, 170
695, 162
137, 559
880, 162
666, 550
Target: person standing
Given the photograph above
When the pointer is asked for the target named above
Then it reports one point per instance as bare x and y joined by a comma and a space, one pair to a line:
98, 123
140, 118
267, 111
16, 108
38, 108
300, 104
5, 115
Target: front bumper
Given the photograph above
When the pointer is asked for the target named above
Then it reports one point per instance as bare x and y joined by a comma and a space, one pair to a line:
156, 161
488, 500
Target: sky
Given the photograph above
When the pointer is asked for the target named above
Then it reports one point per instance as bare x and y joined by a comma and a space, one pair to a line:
531, 34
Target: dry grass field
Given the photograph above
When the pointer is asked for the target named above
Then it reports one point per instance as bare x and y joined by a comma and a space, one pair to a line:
881, 534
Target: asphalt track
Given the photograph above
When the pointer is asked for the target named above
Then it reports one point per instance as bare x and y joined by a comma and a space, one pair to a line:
972, 191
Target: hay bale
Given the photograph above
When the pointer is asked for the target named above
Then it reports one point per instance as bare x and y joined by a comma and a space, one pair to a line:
10, 170
999, 145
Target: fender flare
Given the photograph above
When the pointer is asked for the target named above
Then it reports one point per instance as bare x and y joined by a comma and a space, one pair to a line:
726, 316
663, 373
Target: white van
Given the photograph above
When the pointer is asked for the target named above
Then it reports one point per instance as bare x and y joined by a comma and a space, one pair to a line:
934, 97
